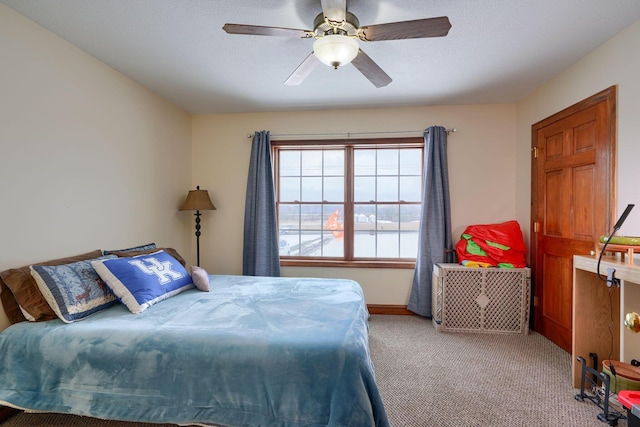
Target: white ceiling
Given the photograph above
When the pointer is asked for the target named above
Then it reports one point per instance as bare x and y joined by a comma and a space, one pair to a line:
497, 51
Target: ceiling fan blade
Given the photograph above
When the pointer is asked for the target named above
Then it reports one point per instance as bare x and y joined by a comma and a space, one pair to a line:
371, 70
419, 28
335, 10
304, 69
257, 30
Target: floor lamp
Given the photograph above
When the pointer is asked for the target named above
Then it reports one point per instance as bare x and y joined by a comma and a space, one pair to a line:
198, 200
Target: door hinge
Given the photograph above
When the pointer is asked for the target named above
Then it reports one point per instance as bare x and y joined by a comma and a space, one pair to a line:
536, 227
535, 301
534, 150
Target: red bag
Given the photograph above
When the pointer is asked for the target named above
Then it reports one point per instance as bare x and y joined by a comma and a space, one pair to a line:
498, 245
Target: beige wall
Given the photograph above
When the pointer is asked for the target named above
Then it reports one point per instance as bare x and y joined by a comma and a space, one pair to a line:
88, 158
482, 176
617, 62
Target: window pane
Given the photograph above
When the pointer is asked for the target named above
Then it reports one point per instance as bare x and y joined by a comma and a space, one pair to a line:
364, 217
333, 236
409, 244
309, 244
388, 244
410, 188
309, 230
364, 224
311, 218
387, 162
289, 228
311, 189
388, 217
364, 244
289, 189
334, 163
388, 236
411, 161
364, 162
312, 163
334, 189
289, 163
364, 189
387, 189
409, 226
289, 219
410, 217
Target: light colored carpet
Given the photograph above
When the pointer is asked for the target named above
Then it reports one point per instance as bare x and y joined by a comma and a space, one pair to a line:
447, 380
465, 380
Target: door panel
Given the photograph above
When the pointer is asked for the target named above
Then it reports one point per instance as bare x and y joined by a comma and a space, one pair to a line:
555, 209
572, 196
554, 303
584, 201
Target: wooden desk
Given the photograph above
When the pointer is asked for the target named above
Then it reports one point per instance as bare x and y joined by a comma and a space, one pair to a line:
594, 313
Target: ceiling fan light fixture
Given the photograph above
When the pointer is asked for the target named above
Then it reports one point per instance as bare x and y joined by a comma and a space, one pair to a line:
335, 49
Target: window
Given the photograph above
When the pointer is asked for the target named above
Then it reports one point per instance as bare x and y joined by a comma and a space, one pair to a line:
349, 202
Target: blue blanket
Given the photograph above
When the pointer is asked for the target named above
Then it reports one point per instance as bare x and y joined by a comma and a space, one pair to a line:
252, 352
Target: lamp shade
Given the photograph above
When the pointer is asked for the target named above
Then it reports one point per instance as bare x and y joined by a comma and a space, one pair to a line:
335, 49
198, 200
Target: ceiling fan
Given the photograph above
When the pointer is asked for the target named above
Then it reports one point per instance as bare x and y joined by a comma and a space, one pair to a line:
337, 33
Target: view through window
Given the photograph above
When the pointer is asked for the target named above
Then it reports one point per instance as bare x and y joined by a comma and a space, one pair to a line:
349, 201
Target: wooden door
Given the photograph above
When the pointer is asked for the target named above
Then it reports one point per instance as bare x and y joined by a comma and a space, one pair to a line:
573, 179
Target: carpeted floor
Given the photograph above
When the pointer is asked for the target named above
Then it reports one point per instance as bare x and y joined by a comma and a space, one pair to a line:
447, 380
465, 380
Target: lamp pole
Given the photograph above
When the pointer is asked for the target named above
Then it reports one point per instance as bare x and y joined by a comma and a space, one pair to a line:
197, 214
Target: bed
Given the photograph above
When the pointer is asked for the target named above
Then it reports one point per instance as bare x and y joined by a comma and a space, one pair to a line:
253, 351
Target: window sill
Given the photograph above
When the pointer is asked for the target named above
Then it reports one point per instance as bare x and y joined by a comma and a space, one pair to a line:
288, 262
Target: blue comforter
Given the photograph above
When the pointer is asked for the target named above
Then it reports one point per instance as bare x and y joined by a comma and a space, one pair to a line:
252, 352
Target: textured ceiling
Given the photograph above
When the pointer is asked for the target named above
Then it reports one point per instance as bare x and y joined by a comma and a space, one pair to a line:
497, 51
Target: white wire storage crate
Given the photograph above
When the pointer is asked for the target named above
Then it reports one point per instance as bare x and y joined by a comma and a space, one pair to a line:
488, 300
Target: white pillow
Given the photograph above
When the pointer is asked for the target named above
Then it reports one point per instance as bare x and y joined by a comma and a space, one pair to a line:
200, 278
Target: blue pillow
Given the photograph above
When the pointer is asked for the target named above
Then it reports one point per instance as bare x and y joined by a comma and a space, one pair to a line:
135, 248
144, 280
73, 291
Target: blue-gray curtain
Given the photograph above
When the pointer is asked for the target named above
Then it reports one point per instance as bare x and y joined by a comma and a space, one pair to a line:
435, 220
260, 246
